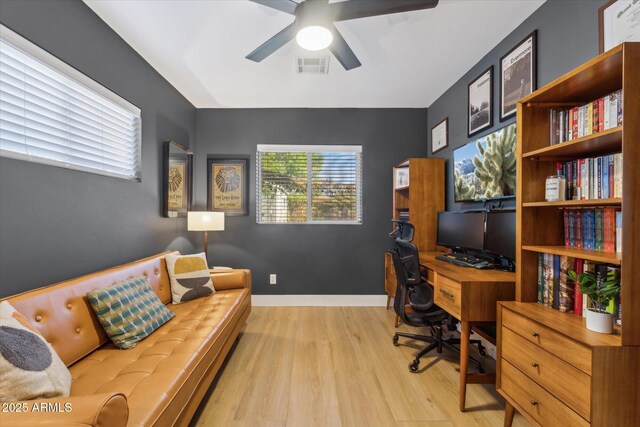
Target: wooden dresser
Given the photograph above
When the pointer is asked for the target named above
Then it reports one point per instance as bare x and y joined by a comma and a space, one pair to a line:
563, 374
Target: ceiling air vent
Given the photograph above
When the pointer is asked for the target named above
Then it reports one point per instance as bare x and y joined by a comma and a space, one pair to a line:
312, 65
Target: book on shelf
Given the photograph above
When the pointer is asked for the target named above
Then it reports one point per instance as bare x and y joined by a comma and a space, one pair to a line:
592, 228
558, 291
592, 178
583, 120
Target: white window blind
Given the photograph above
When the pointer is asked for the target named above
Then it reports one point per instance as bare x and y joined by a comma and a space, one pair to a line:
312, 184
52, 113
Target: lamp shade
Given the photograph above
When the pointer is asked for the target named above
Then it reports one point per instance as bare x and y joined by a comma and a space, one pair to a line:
205, 221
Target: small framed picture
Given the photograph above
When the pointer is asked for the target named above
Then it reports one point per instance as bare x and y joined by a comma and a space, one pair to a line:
618, 22
480, 103
517, 75
440, 136
178, 181
401, 178
228, 185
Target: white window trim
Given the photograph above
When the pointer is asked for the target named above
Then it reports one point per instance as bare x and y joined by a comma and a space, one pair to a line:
41, 55
277, 148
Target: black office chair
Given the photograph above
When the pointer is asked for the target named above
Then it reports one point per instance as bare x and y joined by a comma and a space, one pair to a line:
413, 287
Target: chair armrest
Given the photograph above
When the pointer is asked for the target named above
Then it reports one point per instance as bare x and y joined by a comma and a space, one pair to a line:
231, 279
99, 410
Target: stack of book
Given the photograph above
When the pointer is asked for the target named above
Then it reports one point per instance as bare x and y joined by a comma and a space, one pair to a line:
597, 228
593, 178
557, 290
602, 114
403, 215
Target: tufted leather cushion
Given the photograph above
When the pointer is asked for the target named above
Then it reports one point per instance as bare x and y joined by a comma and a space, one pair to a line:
152, 374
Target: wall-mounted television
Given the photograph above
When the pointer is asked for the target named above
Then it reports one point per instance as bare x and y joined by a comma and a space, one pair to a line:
485, 168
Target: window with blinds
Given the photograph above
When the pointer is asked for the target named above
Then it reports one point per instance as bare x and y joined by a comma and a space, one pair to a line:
52, 113
310, 184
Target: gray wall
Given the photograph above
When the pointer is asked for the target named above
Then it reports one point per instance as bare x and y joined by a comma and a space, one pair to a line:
567, 37
57, 223
310, 259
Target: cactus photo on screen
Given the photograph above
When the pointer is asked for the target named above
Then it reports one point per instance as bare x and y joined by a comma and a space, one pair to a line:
486, 167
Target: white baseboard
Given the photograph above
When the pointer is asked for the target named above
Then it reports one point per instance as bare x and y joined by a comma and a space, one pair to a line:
319, 300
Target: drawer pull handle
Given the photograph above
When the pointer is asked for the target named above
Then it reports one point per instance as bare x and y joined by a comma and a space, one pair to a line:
534, 334
534, 403
535, 365
446, 294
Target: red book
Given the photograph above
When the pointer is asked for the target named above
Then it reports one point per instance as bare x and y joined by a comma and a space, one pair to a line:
609, 225
601, 114
575, 122
577, 295
578, 236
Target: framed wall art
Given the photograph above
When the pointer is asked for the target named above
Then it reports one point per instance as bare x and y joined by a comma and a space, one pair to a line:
228, 185
517, 75
480, 103
618, 22
177, 180
440, 136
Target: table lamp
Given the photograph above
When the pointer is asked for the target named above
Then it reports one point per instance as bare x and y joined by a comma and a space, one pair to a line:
205, 221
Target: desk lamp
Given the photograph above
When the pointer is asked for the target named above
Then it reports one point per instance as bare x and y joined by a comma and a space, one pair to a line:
205, 221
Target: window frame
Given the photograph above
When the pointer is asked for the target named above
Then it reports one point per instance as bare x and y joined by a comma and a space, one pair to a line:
312, 149
54, 63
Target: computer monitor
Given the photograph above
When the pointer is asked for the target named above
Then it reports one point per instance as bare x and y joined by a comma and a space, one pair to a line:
461, 229
500, 237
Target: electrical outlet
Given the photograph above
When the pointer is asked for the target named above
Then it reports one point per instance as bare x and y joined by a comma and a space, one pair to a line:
272, 279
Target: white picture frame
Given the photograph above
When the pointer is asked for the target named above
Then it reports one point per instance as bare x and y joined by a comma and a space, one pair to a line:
619, 22
401, 178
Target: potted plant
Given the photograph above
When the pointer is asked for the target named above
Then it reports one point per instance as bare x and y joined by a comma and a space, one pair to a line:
598, 318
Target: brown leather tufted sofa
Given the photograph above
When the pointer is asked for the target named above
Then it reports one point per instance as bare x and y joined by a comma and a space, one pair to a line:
161, 381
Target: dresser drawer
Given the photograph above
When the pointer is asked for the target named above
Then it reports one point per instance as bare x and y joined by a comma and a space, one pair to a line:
569, 384
448, 294
555, 343
536, 401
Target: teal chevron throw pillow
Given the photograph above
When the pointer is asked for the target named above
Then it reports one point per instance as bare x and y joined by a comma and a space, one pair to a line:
129, 311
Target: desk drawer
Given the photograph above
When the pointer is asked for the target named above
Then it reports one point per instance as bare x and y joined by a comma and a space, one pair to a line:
448, 294
555, 343
536, 401
567, 383
430, 276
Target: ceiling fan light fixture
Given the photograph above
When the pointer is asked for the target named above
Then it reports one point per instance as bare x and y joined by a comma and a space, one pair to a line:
314, 37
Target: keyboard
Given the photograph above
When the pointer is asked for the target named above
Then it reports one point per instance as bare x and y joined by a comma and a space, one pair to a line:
464, 260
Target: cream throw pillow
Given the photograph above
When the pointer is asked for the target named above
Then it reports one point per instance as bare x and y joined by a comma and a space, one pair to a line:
190, 277
29, 366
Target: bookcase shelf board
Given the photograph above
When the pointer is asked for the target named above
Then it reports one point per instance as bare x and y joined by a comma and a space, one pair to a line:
576, 203
589, 254
604, 142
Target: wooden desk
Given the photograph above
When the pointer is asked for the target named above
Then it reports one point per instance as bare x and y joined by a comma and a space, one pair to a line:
470, 295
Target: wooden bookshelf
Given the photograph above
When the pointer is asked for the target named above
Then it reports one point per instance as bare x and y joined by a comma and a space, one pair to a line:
609, 363
422, 199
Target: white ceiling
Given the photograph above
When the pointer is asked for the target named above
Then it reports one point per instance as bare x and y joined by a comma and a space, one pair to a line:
408, 59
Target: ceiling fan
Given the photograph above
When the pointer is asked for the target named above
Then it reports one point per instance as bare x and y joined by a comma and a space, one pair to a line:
313, 26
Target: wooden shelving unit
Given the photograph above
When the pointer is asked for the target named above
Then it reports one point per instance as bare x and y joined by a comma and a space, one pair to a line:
422, 199
608, 392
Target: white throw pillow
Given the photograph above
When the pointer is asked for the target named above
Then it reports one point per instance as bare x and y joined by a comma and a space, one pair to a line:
29, 366
190, 277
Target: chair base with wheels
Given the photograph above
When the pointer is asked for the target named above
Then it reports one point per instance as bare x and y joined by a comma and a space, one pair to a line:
437, 342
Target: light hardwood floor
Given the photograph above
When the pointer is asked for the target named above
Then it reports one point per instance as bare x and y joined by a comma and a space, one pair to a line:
337, 366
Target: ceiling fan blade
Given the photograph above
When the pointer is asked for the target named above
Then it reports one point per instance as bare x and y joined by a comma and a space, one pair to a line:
354, 9
273, 44
343, 52
287, 6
